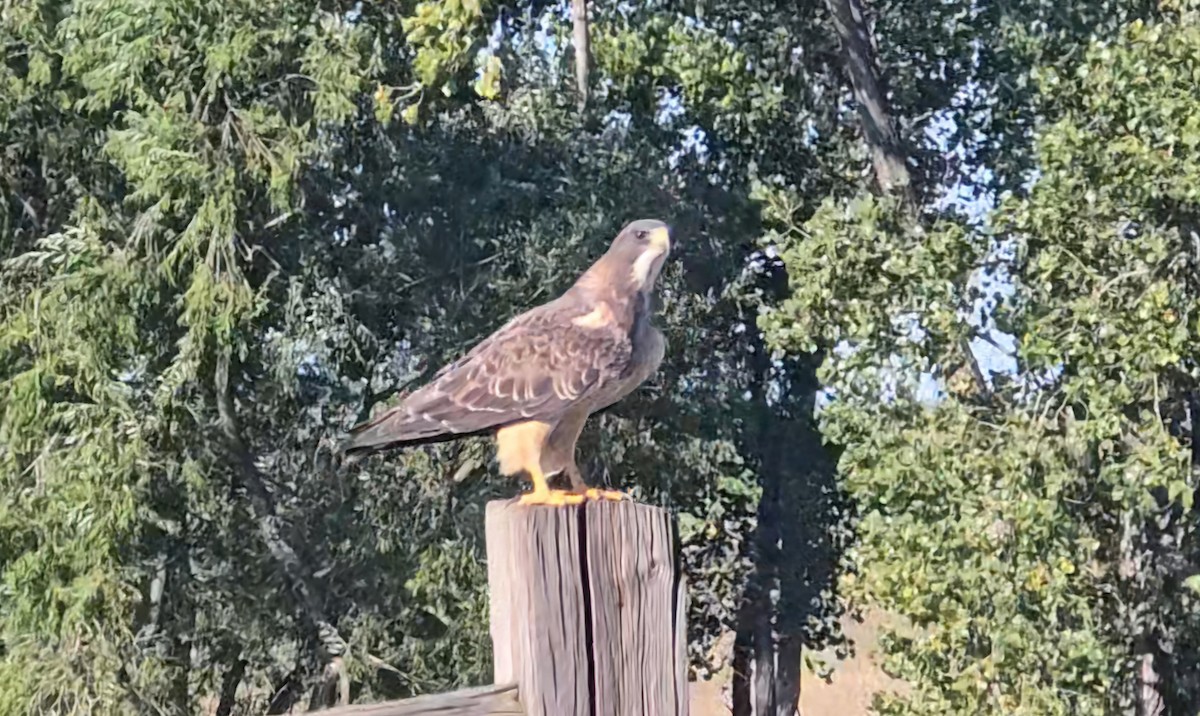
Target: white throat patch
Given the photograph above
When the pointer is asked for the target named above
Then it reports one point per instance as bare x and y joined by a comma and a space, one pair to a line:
642, 266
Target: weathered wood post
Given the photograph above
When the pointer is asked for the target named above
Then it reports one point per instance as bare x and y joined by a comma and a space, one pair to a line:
588, 608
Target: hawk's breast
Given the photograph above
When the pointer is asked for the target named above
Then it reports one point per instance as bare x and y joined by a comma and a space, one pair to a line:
649, 347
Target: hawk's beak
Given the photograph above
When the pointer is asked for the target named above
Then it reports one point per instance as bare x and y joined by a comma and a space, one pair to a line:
660, 239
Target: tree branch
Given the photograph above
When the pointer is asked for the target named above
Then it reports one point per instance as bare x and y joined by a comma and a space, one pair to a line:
583, 56
270, 526
980, 380
870, 93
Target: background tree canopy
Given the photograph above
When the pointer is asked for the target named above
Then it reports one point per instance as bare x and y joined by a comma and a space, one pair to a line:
932, 330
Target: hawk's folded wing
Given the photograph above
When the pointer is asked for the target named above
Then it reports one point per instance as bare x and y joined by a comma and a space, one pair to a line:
532, 368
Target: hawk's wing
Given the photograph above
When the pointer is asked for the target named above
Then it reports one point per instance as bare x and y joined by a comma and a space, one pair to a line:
532, 368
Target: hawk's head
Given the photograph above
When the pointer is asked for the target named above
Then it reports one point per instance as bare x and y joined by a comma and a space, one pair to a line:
643, 246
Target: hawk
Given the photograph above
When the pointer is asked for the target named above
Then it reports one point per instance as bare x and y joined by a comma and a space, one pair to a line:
535, 381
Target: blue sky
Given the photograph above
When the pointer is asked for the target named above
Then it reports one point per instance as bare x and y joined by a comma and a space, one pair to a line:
969, 197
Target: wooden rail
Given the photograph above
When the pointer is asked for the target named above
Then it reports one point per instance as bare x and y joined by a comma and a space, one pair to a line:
482, 701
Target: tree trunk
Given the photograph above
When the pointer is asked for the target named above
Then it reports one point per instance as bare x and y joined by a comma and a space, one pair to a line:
870, 93
793, 560
583, 56
229, 687
790, 569
887, 154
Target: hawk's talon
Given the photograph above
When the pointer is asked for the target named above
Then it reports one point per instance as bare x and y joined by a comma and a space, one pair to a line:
551, 498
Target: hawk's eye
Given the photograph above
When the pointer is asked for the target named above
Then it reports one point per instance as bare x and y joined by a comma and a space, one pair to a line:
642, 235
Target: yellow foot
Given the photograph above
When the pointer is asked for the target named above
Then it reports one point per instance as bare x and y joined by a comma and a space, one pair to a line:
613, 495
553, 498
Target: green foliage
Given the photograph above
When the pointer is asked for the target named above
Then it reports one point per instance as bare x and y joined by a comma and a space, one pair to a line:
188, 187
1007, 600
70, 471
1032, 533
194, 183
892, 272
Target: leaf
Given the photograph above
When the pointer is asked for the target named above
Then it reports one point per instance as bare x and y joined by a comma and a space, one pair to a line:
1180, 490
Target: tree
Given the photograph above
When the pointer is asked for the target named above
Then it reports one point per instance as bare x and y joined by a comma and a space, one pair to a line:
1034, 536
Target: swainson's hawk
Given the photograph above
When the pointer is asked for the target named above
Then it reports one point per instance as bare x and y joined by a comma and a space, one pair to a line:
536, 380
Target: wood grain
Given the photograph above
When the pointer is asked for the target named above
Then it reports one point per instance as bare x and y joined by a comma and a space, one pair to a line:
587, 608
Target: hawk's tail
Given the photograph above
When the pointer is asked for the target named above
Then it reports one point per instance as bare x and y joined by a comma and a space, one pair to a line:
428, 421
392, 429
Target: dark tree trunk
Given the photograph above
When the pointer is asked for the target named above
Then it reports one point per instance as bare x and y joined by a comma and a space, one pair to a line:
790, 587
229, 687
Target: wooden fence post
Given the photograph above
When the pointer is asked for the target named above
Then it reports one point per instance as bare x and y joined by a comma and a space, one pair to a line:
588, 608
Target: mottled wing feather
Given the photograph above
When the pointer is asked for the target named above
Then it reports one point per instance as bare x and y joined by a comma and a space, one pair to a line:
534, 367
